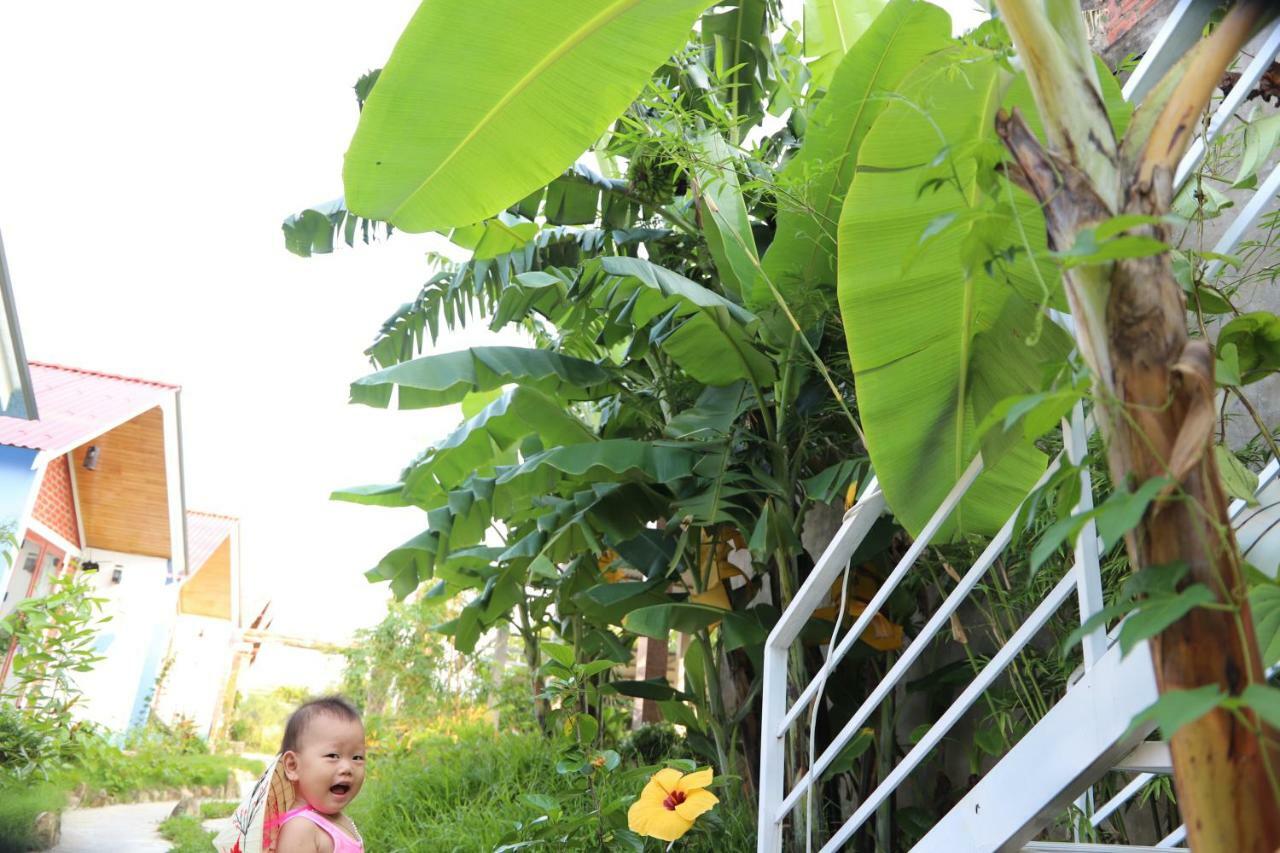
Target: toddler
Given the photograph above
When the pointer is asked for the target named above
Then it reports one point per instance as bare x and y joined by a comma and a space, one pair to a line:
323, 756
297, 806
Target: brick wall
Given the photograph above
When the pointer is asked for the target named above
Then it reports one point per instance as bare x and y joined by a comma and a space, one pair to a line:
55, 504
1122, 15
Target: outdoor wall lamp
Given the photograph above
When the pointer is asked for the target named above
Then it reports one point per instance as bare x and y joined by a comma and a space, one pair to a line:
116, 575
88, 566
91, 457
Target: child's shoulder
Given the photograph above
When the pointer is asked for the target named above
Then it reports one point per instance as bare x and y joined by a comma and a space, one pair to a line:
300, 835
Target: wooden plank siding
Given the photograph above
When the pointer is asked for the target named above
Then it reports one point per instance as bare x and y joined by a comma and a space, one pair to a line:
124, 502
208, 592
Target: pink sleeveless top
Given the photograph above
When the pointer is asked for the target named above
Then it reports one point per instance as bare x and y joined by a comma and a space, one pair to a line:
342, 843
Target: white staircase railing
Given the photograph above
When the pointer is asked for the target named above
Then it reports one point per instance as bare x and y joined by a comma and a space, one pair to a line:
1050, 767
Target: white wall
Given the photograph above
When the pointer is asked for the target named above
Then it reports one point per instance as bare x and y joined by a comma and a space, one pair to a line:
201, 651
142, 608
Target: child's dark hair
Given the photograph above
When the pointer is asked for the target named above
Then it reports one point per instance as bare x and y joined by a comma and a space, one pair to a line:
335, 706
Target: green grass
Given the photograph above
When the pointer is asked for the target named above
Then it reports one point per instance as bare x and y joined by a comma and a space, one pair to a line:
187, 835
215, 810
105, 768
19, 805
465, 795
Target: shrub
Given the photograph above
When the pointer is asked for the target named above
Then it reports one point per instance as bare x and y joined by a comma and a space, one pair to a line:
216, 810
187, 835
20, 804
653, 742
259, 718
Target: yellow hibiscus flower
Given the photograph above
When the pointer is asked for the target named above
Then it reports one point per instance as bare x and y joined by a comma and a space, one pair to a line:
670, 803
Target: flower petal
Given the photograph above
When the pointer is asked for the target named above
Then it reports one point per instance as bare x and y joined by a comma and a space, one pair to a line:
696, 803
655, 820
697, 779
667, 779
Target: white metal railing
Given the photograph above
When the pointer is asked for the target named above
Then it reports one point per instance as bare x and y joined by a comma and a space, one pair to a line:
775, 804
1179, 32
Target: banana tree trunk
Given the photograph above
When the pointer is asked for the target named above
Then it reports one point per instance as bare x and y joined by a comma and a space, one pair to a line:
1155, 389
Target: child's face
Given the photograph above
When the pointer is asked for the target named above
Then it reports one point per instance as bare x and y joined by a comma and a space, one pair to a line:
328, 765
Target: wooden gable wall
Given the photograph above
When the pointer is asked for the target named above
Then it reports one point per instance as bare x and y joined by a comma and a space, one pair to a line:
208, 592
124, 502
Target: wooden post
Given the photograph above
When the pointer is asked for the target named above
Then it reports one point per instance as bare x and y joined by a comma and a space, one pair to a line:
651, 662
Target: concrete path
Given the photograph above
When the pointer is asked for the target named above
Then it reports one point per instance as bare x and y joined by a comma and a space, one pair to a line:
129, 827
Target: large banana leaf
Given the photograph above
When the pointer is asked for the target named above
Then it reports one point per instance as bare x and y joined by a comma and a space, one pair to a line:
484, 101
724, 215
478, 443
615, 459
438, 380
739, 35
802, 257
830, 29
933, 346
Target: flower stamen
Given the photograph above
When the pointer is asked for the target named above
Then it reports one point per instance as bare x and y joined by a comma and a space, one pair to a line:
673, 799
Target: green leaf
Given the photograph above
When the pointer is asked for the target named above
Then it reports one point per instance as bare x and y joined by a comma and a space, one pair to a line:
542, 802
1238, 480
500, 235
315, 230
595, 667
989, 739
711, 418
587, 726
1264, 602
833, 481
1260, 139
853, 750
716, 342
662, 619
937, 347
1155, 614
738, 32
724, 214
1264, 700
831, 27
484, 101
656, 689
1256, 337
1122, 511
438, 380
1116, 516
1090, 249
1176, 708
748, 628
1226, 367
802, 257
558, 652
605, 461
389, 494
479, 443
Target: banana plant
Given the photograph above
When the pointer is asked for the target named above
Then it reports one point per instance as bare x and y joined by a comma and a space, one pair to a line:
1154, 389
650, 462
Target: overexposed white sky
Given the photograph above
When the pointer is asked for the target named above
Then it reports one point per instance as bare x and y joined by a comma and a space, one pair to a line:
148, 153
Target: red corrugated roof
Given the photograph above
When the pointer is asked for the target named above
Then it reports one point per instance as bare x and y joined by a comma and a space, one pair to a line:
77, 405
205, 532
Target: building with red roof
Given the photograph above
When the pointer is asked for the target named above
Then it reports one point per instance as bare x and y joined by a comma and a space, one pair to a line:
95, 485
